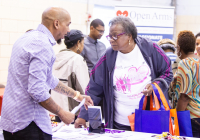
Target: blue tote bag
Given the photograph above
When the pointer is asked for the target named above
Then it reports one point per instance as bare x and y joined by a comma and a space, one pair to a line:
156, 121
184, 121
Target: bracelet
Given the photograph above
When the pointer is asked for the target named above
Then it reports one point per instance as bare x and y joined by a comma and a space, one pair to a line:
77, 95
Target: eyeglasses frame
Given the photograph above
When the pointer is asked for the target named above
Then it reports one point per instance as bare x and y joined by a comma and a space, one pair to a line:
114, 38
100, 31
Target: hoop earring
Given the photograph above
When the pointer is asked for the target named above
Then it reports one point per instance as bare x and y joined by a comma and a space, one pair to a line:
180, 55
78, 51
129, 42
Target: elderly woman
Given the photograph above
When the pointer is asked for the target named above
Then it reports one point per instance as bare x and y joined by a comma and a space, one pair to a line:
125, 73
188, 80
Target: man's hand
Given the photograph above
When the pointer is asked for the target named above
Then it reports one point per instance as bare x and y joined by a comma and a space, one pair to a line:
79, 122
66, 117
88, 101
148, 90
63, 89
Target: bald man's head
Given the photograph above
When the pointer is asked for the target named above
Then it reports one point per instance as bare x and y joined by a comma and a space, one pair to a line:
57, 20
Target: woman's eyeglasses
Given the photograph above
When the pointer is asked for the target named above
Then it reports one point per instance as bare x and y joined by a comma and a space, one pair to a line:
109, 37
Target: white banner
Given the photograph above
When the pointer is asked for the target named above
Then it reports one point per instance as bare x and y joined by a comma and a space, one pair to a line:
154, 30
152, 22
148, 16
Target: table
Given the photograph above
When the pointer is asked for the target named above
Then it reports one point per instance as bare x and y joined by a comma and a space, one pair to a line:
69, 132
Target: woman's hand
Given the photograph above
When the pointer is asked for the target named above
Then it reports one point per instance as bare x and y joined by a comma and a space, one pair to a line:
148, 90
183, 101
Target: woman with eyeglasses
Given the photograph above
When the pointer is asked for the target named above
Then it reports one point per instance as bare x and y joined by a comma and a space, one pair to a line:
188, 80
125, 73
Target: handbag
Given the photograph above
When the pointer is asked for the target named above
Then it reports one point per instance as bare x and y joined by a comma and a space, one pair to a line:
185, 125
174, 124
158, 118
181, 119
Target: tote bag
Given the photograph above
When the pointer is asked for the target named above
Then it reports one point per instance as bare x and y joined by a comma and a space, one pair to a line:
185, 125
155, 120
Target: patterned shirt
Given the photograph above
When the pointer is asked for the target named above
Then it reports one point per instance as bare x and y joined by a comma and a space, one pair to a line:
29, 80
188, 82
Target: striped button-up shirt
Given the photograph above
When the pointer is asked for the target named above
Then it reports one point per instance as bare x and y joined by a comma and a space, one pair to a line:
29, 80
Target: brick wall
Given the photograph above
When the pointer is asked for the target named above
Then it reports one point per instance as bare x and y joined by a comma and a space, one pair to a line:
191, 23
17, 16
188, 17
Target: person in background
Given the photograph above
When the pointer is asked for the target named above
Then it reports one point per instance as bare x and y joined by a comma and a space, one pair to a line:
94, 49
29, 30
187, 79
169, 48
2, 86
71, 69
125, 73
26, 98
198, 44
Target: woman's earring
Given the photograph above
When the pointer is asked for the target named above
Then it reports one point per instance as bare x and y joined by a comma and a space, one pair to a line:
129, 42
78, 50
180, 55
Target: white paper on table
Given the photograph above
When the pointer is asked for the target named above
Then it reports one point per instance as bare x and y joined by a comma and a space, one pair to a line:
119, 135
65, 136
69, 128
60, 125
66, 133
141, 136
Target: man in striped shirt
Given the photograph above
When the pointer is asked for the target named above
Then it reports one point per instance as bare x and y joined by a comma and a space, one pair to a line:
26, 98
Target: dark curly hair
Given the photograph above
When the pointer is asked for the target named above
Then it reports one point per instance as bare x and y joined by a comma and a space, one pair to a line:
186, 41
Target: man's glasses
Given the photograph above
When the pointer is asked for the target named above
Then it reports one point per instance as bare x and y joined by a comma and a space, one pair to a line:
100, 31
109, 37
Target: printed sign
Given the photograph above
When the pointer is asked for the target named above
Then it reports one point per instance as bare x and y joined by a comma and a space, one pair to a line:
152, 22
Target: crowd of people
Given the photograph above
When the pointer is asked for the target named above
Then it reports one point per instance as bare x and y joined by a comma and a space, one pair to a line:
115, 78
